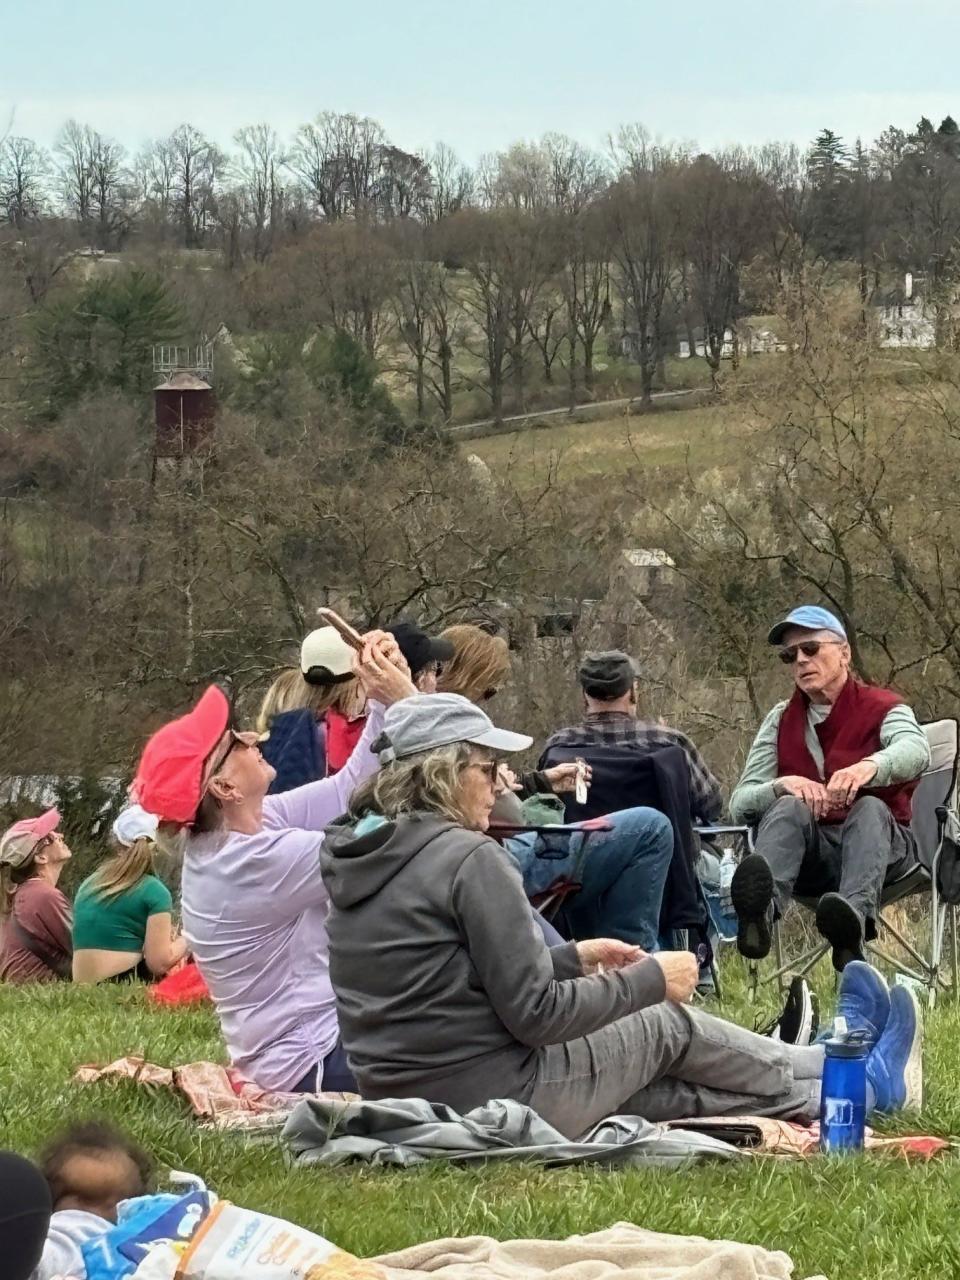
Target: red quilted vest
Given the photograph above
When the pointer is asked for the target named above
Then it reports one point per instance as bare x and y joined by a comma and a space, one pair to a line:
850, 732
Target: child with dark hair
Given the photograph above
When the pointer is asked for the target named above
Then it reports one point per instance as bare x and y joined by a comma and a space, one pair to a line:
89, 1169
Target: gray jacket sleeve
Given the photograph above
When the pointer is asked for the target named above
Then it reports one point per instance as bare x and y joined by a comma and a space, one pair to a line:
904, 748
515, 967
754, 794
566, 961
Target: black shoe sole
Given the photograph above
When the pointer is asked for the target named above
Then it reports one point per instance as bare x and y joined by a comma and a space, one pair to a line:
751, 893
840, 925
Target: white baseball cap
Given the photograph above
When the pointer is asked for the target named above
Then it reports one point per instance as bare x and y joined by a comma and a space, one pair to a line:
325, 657
134, 823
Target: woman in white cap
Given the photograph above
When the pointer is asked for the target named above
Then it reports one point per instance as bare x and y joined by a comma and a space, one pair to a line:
123, 913
446, 990
314, 714
34, 914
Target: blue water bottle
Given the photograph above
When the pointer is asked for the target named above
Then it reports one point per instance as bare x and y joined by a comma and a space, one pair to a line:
843, 1091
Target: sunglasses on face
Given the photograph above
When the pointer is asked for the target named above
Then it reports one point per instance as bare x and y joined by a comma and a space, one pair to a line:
248, 739
489, 768
809, 649
488, 694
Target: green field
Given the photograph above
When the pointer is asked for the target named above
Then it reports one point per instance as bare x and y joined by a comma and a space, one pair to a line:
874, 1217
707, 436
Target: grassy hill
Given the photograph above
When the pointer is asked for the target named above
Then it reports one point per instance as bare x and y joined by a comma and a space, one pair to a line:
708, 436
874, 1216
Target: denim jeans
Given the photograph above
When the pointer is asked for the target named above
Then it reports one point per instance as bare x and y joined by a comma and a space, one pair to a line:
622, 876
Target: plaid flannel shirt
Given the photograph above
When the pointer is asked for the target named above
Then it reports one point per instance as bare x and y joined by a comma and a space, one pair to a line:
616, 728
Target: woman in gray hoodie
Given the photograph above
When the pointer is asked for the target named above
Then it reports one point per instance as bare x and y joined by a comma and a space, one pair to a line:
447, 991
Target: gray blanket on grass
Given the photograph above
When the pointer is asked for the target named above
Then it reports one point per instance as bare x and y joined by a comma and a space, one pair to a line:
407, 1131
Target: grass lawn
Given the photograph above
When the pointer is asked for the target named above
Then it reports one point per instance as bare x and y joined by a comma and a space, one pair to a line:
708, 435
873, 1217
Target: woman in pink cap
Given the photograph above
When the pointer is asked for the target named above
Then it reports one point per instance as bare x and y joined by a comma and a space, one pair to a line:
254, 906
35, 917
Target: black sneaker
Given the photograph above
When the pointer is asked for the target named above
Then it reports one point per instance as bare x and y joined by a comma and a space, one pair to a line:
751, 892
840, 924
800, 1020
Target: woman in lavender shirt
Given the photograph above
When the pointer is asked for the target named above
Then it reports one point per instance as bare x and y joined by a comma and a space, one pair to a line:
254, 905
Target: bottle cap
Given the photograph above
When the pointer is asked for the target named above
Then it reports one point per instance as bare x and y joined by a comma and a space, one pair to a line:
846, 1044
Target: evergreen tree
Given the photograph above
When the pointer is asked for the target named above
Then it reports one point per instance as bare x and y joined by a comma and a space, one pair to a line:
829, 170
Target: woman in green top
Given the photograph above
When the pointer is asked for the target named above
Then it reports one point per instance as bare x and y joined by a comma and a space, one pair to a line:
123, 915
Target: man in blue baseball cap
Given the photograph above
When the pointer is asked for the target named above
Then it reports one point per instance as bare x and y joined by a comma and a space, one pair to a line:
828, 781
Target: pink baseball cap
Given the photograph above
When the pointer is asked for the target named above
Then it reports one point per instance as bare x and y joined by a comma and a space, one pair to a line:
19, 841
169, 781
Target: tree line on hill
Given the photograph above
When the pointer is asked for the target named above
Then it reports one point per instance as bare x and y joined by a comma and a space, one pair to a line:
506, 273
127, 584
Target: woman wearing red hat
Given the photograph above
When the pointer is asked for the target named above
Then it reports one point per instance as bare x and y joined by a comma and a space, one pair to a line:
35, 944
254, 905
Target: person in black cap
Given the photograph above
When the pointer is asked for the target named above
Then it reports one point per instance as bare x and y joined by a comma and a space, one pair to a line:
425, 654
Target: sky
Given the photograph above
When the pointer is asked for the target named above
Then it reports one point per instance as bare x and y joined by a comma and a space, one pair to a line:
479, 76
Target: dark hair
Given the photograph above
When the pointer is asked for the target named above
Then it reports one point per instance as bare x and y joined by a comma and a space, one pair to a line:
92, 1138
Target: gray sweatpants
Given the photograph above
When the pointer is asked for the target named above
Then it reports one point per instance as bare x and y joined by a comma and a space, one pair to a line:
668, 1062
852, 858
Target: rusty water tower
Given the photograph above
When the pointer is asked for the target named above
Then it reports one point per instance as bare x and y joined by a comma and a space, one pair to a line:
184, 407
184, 402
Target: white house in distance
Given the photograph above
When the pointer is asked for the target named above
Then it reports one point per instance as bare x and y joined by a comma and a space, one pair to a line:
746, 340
905, 319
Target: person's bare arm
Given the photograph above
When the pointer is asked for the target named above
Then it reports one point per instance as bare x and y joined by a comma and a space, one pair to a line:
161, 950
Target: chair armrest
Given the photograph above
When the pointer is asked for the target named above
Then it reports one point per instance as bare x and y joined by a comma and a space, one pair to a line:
557, 828
719, 829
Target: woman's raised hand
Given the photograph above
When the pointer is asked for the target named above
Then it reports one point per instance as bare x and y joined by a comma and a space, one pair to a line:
382, 669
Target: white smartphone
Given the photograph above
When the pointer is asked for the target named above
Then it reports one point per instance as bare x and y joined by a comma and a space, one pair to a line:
580, 788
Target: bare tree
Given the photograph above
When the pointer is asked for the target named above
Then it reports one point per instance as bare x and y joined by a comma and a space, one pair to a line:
718, 206
586, 286
197, 164
155, 177
404, 186
642, 221
510, 258
318, 161
788, 221
451, 183
428, 321
109, 190
577, 174
487, 297
24, 168
338, 158
344, 276
74, 148
257, 173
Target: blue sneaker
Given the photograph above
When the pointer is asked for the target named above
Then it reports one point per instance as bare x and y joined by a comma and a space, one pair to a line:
864, 1000
895, 1068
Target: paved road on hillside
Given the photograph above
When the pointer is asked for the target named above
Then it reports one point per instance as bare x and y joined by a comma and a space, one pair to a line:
466, 430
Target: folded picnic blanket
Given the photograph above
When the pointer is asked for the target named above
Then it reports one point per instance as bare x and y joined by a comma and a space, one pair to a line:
217, 1095
407, 1131
624, 1252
